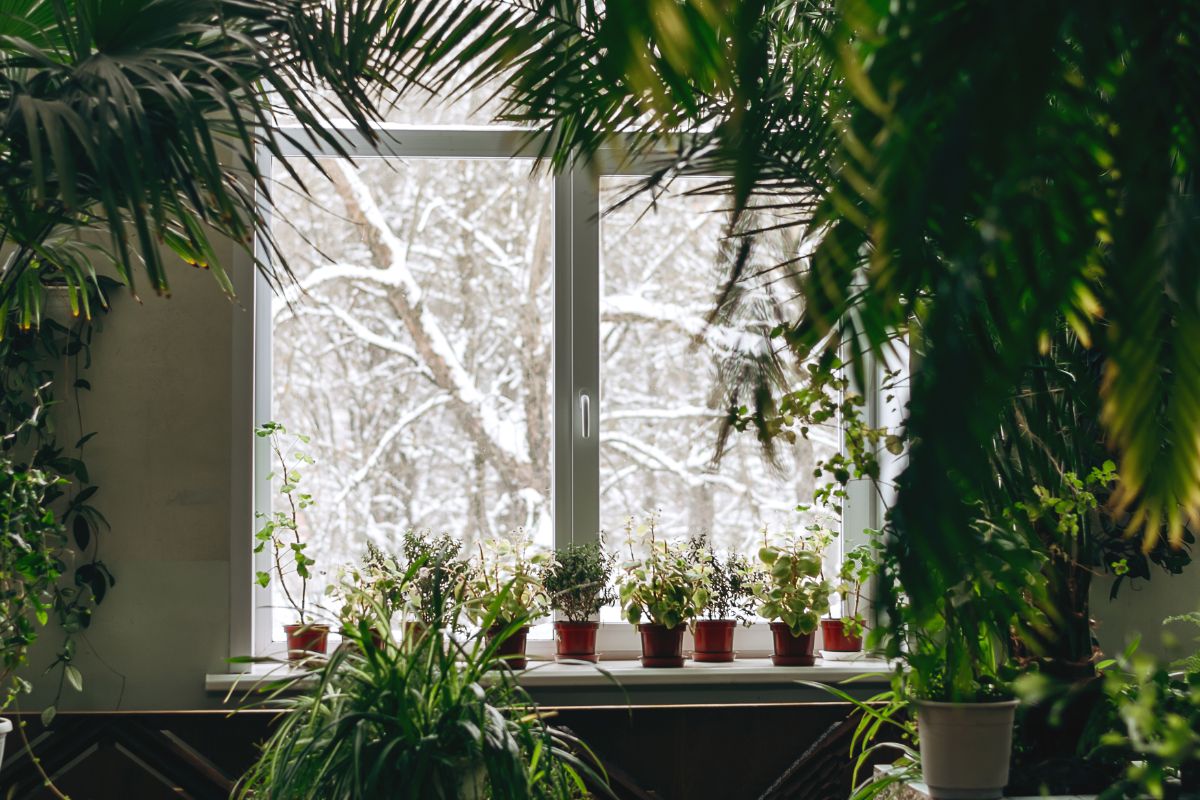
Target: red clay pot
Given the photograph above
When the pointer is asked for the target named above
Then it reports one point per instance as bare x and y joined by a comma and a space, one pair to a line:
791, 651
512, 650
714, 640
834, 637
306, 640
576, 641
662, 646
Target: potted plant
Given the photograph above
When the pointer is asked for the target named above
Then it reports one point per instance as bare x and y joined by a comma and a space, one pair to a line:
660, 593
845, 634
505, 592
371, 593
280, 530
729, 582
430, 721
792, 588
438, 580
577, 581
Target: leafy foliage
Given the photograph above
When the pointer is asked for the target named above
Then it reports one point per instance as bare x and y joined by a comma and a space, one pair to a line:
31, 563
794, 589
37, 368
427, 717
665, 586
281, 528
504, 586
120, 117
728, 579
440, 577
857, 570
1159, 731
578, 580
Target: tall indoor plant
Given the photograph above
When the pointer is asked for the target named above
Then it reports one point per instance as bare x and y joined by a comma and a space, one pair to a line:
661, 591
578, 581
281, 537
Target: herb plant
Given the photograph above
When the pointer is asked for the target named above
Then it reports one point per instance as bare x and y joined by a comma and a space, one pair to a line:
665, 586
794, 589
281, 529
505, 585
858, 567
439, 578
578, 580
728, 579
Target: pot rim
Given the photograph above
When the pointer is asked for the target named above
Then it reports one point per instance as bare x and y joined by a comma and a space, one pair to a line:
566, 623
307, 626
6, 726
989, 704
659, 626
724, 623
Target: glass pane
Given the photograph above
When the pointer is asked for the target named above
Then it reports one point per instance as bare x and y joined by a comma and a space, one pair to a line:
416, 350
663, 262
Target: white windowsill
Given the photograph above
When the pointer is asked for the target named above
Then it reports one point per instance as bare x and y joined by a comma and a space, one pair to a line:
630, 674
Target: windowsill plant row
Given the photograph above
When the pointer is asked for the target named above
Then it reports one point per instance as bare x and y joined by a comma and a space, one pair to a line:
664, 587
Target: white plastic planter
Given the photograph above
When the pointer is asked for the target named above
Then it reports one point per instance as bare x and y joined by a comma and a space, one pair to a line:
965, 748
5, 730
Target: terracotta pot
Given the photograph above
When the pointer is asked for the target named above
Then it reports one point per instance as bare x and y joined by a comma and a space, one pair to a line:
965, 748
662, 646
714, 640
511, 651
306, 640
835, 639
791, 651
576, 641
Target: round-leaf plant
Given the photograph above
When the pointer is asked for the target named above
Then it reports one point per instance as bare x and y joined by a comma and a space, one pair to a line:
794, 589
578, 580
666, 586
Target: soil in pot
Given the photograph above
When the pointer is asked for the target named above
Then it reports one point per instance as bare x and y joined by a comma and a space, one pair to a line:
791, 651
306, 640
835, 639
511, 651
662, 646
965, 748
714, 640
576, 641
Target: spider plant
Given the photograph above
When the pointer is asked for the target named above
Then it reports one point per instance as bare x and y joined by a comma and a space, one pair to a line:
424, 718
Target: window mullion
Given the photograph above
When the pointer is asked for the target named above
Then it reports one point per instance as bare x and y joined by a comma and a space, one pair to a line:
585, 355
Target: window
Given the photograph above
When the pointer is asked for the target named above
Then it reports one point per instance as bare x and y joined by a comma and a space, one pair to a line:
476, 346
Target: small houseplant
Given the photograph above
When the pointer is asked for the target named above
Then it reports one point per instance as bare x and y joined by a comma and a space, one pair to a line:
505, 592
281, 532
729, 582
577, 581
792, 589
845, 634
660, 593
439, 579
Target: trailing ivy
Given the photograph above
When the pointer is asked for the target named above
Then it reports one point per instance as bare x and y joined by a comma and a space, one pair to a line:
41, 366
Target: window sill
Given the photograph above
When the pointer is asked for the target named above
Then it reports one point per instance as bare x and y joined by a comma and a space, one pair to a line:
626, 681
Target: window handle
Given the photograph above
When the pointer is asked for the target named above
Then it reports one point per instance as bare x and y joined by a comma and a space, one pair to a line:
585, 415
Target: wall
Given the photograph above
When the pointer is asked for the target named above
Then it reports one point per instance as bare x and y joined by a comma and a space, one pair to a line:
161, 404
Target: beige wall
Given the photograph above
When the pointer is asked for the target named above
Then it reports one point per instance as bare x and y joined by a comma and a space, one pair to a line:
161, 404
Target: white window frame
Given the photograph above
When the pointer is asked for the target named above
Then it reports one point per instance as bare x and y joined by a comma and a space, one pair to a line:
575, 460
